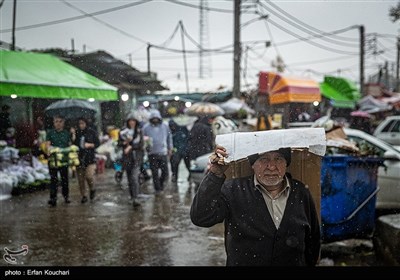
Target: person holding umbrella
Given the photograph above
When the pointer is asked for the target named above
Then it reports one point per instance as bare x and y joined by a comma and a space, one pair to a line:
57, 139
87, 140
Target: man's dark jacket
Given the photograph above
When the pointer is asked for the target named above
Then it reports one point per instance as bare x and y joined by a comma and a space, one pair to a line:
251, 237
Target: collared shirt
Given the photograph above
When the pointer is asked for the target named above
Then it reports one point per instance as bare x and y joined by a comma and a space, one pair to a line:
276, 206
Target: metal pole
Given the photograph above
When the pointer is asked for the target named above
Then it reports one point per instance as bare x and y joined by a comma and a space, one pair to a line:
236, 50
13, 26
397, 65
184, 57
72, 45
148, 58
362, 43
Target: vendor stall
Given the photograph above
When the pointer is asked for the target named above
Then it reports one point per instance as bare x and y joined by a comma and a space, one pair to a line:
341, 92
286, 95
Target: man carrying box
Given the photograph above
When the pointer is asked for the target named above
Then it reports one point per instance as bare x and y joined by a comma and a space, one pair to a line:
270, 218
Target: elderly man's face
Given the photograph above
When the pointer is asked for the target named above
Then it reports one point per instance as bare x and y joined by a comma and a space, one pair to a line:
270, 168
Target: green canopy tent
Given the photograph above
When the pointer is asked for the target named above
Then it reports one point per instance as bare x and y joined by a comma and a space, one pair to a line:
27, 77
35, 75
342, 92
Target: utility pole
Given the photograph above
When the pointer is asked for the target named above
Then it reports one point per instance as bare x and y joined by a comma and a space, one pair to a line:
72, 46
148, 58
397, 65
184, 56
362, 43
204, 59
387, 74
13, 26
236, 50
130, 59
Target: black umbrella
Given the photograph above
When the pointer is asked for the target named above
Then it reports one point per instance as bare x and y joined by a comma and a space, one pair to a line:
71, 109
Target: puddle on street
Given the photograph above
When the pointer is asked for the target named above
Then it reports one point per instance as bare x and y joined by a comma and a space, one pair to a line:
109, 231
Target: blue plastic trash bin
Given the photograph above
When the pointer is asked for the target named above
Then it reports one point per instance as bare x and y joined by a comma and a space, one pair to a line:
348, 196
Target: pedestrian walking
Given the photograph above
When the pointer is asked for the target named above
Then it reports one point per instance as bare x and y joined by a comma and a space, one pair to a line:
201, 138
131, 141
159, 149
57, 139
87, 140
180, 136
270, 218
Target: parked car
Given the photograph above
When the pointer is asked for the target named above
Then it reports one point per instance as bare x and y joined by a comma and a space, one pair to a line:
389, 130
388, 176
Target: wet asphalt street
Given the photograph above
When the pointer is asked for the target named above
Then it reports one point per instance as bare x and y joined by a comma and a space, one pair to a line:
110, 232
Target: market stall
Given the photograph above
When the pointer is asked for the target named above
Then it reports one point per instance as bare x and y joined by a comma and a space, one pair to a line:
30, 82
286, 95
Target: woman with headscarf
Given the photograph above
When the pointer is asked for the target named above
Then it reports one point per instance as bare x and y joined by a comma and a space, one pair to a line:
131, 141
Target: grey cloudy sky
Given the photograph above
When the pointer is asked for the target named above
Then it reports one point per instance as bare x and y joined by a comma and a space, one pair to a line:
126, 30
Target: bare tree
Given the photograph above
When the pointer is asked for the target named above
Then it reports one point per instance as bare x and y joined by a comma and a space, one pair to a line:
394, 13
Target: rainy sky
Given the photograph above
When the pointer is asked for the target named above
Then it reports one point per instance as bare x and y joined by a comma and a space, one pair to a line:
298, 31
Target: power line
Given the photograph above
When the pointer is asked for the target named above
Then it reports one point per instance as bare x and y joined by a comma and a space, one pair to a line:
306, 30
323, 60
303, 23
103, 22
310, 42
316, 36
199, 7
166, 43
75, 18
271, 37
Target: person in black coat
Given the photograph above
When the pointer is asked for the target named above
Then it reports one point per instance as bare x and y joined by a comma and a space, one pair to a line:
5, 121
87, 140
179, 138
201, 138
270, 218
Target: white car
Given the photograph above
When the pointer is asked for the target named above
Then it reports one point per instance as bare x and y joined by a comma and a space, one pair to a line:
389, 175
389, 130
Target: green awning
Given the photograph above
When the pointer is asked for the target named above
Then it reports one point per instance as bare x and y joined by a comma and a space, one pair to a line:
28, 74
342, 92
